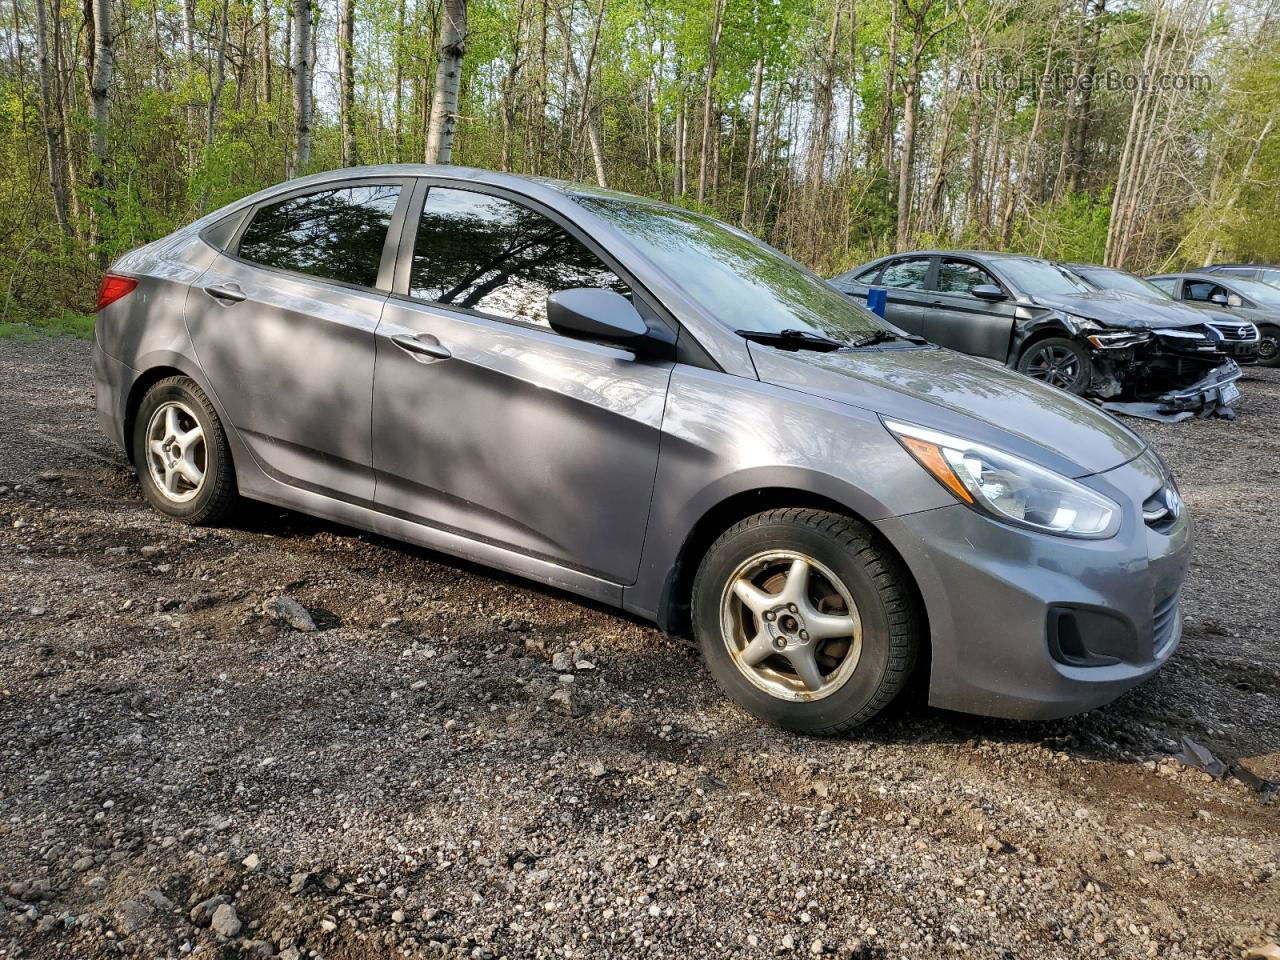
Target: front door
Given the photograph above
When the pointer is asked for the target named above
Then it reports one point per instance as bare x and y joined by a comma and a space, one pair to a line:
959, 320
486, 422
283, 327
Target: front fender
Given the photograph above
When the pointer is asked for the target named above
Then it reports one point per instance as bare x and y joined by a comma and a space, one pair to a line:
725, 437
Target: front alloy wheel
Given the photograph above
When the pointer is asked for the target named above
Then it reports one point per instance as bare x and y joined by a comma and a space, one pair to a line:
1269, 346
790, 626
806, 619
1059, 362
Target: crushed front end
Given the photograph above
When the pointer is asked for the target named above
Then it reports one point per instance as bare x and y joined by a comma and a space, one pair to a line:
1168, 374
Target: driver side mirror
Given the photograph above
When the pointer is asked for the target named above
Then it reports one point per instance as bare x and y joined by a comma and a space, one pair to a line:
593, 314
1219, 298
988, 291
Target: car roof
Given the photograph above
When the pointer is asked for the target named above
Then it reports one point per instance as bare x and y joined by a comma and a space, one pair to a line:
1187, 275
996, 254
1245, 266
1091, 266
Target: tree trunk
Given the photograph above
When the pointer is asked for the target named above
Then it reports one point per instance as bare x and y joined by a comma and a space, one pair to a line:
189, 28
890, 76
444, 99
52, 117
219, 76
301, 86
347, 81
585, 123
678, 147
906, 160
752, 134
712, 46
266, 52
100, 93
1011, 199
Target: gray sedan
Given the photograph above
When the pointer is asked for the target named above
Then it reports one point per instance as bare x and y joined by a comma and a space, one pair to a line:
652, 409
1249, 300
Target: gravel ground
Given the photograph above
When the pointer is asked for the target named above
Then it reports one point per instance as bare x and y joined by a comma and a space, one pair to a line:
455, 763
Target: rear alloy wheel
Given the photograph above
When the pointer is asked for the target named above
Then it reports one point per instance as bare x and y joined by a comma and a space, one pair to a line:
180, 453
805, 619
1269, 346
1058, 362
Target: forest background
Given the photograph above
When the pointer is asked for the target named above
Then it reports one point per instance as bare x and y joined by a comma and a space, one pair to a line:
1140, 133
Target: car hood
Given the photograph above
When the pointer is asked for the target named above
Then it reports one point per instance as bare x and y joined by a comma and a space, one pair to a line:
1116, 308
976, 399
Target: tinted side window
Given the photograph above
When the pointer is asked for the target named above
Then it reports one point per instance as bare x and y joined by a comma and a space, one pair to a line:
498, 257
1201, 290
909, 274
335, 234
1165, 284
959, 276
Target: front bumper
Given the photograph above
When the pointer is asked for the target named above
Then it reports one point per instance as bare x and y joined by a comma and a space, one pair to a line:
996, 598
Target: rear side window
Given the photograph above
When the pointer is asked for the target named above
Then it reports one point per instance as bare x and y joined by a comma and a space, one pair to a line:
907, 274
960, 277
334, 234
495, 256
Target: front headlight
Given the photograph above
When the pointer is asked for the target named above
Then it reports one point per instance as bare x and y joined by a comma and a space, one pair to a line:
1009, 488
1105, 338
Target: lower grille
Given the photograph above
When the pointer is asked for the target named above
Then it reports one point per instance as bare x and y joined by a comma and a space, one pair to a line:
1164, 624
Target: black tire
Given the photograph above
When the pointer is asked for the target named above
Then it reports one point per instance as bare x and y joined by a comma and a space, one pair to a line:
1059, 362
214, 497
892, 627
1269, 346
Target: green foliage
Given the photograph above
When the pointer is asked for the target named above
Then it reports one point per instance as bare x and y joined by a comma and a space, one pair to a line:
78, 325
1073, 229
522, 107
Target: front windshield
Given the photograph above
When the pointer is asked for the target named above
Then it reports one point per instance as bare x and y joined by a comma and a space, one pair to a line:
1126, 282
1255, 290
1038, 276
743, 282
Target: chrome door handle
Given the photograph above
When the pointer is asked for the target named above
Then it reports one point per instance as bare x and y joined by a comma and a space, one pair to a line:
424, 345
229, 292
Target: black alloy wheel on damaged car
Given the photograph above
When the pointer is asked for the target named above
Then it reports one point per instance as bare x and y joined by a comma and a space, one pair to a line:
1059, 362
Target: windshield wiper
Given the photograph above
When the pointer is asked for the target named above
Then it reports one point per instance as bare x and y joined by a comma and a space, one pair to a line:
884, 336
791, 339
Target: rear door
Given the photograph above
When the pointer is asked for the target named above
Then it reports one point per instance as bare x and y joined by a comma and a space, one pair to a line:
959, 320
283, 327
489, 424
907, 304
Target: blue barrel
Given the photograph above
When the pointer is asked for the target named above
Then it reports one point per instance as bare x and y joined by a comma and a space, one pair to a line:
877, 298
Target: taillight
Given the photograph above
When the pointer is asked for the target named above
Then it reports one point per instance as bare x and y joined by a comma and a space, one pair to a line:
112, 288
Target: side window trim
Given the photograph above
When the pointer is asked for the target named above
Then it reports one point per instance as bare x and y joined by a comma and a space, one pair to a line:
650, 307
386, 266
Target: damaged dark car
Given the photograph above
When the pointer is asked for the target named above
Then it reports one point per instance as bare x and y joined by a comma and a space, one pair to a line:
1136, 354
